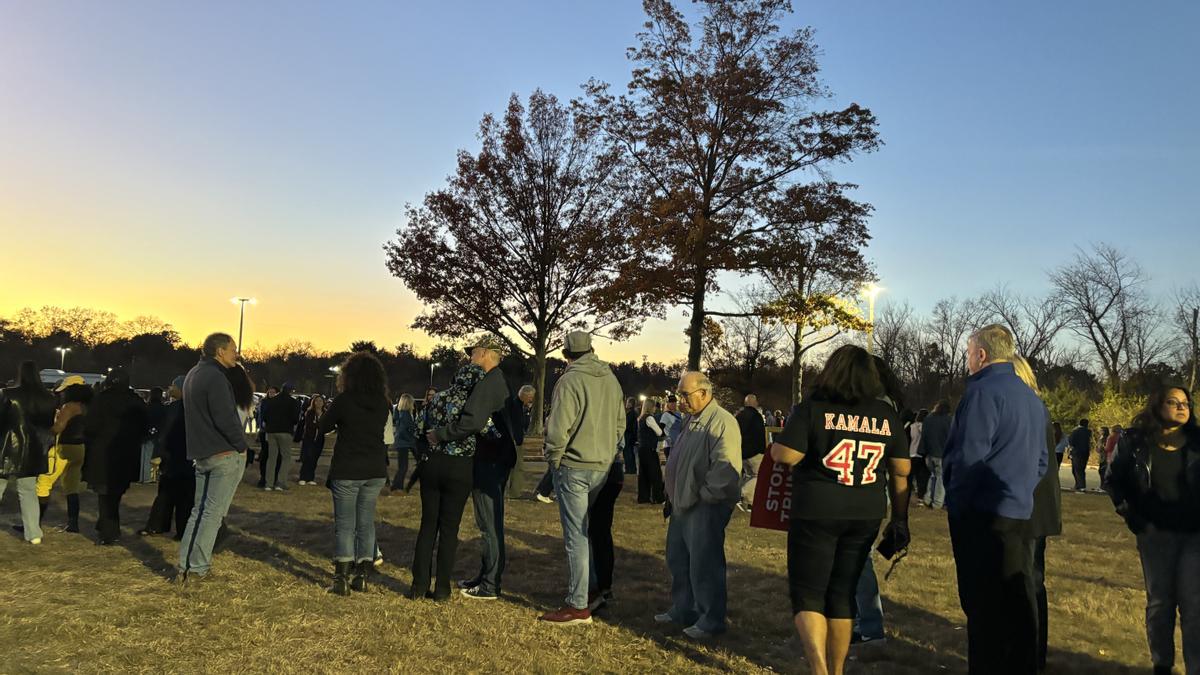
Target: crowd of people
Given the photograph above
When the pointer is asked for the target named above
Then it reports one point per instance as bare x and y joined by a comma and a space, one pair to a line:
858, 456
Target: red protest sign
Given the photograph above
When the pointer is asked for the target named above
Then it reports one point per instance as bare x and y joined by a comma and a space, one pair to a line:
772, 506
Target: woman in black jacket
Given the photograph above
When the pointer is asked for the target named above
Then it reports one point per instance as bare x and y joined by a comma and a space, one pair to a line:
113, 433
26, 414
358, 470
312, 440
1154, 482
176, 475
650, 478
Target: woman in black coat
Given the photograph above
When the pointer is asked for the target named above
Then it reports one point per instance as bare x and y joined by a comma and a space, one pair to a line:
115, 427
26, 414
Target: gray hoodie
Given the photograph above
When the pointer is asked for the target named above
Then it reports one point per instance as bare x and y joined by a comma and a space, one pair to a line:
587, 416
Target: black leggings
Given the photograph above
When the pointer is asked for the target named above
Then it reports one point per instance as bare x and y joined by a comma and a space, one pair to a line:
446, 483
600, 520
825, 559
108, 518
650, 478
172, 504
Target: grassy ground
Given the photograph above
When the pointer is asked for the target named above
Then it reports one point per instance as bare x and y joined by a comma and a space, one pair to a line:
70, 606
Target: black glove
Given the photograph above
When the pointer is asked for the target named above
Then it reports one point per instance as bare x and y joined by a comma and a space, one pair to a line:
895, 539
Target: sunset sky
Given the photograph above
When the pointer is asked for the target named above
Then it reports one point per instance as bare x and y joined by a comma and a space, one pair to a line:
159, 158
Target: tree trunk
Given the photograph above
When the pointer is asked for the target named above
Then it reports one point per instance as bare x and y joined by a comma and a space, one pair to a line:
1195, 347
696, 324
539, 387
797, 362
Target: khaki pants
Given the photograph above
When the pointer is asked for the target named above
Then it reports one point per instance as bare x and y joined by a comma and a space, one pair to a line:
66, 462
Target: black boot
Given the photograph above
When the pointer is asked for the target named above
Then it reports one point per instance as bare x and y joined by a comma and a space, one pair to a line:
359, 582
72, 513
341, 578
43, 504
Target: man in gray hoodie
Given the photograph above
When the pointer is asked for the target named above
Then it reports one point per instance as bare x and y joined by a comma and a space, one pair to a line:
587, 419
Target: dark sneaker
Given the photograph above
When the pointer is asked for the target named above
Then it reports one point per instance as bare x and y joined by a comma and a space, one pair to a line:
477, 593
469, 583
567, 616
598, 599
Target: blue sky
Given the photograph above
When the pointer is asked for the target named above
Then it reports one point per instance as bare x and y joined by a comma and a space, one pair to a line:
203, 151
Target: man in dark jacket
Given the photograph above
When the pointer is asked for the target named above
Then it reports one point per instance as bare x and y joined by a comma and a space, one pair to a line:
113, 432
631, 434
994, 459
754, 444
280, 415
216, 442
935, 431
495, 458
1080, 441
176, 477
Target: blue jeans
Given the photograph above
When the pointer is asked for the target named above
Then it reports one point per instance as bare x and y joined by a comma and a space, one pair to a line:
217, 479
696, 559
577, 491
1169, 564
935, 496
868, 620
488, 499
27, 498
146, 469
354, 518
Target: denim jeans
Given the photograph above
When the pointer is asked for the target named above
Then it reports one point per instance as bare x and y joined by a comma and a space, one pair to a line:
1170, 561
577, 491
354, 518
217, 479
146, 469
488, 500
935, 495
401, 467
27, 498
868, 620
750, 466
696, 560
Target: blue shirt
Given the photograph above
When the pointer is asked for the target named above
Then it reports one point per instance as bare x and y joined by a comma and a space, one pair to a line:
996, 453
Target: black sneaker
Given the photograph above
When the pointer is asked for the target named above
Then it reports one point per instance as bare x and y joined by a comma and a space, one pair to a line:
468, 584
477, 593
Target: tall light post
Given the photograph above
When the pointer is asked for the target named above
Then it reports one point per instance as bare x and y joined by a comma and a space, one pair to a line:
432, 366
333, 375
241, 317
871, 291
62, 362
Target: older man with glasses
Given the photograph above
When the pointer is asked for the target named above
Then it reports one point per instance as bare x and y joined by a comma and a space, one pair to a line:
703, 476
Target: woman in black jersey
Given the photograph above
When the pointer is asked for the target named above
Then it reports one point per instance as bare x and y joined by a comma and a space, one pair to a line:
837, 440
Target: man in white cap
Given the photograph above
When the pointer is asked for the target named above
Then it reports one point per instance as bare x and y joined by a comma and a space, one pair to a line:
587, 419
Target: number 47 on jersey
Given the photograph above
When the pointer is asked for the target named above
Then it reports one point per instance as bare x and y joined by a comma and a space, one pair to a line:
841, 459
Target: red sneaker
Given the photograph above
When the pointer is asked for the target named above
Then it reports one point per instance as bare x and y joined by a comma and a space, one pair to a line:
567, 616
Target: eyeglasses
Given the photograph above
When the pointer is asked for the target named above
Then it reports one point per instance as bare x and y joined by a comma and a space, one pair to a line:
684, 394
1172, 403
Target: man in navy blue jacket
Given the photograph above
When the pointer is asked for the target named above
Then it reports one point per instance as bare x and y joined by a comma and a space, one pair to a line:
994, 458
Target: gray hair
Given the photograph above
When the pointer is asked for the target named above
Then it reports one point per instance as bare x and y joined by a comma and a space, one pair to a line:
214, 342
527, 389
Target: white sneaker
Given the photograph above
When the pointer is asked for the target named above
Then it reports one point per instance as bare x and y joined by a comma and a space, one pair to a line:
664, 618
543, 498
36, 541
696, 633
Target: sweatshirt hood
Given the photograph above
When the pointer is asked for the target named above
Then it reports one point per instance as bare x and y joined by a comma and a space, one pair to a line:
589, 364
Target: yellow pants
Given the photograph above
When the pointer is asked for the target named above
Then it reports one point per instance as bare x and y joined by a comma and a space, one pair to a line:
66, 461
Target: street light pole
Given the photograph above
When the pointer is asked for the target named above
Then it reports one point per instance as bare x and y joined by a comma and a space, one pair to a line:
62, 363
241, 317
871, 291
431, 367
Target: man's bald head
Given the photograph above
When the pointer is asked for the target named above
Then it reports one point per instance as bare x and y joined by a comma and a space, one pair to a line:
751, 401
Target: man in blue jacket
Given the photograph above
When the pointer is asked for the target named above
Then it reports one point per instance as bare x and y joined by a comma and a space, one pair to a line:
994, 458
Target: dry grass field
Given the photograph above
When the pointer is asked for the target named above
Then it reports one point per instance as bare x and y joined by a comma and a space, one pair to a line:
69, 606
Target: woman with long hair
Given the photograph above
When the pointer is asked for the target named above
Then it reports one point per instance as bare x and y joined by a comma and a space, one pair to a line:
26, 416
837, 440
312, 440
1045, 521
358, 470
404, 438
1154, 481
650, 479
